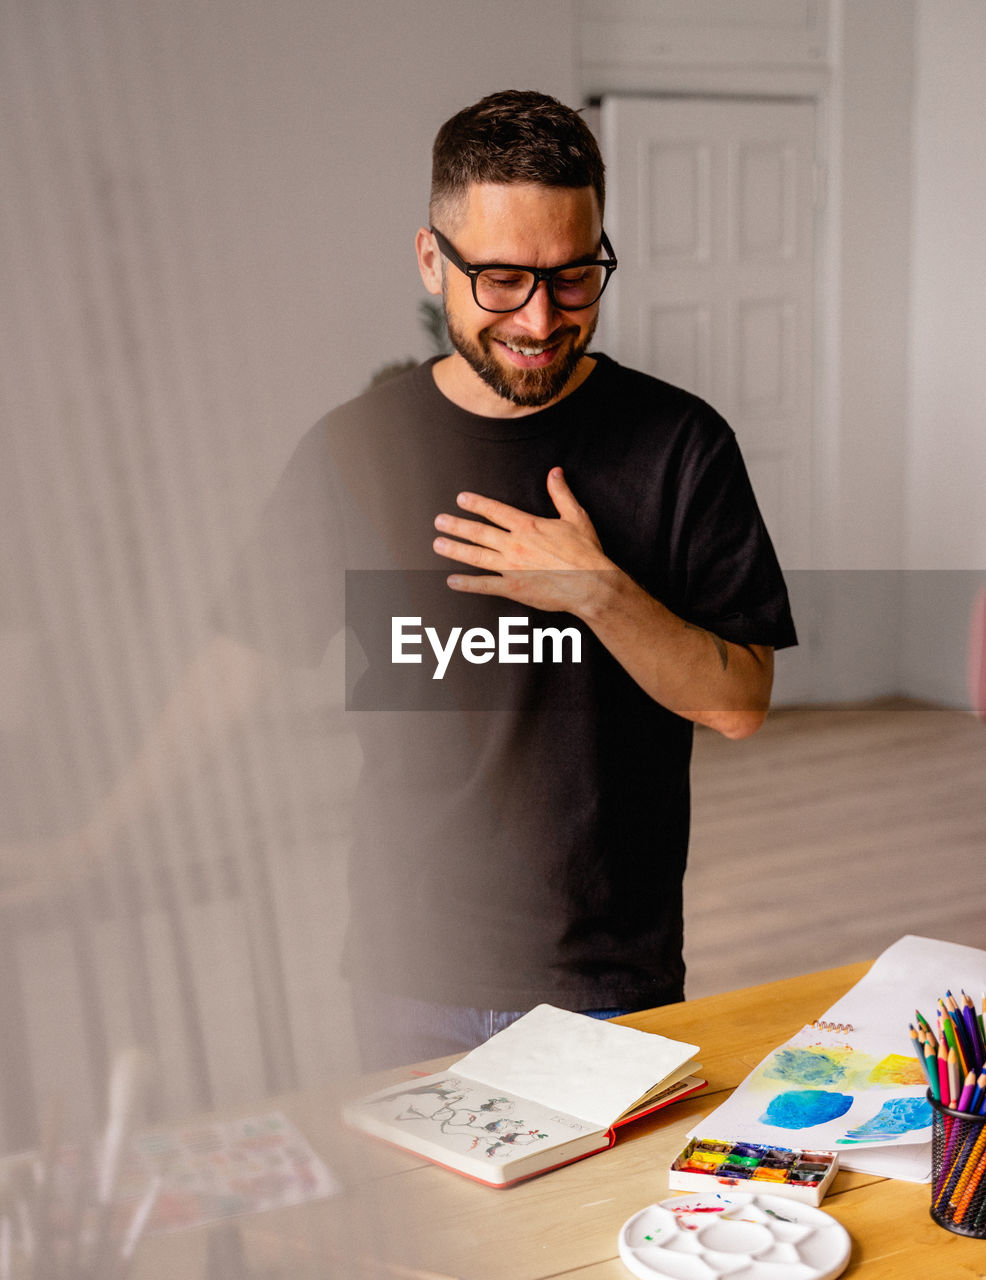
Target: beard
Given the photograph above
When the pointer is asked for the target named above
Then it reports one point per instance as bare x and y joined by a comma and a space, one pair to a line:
528, 388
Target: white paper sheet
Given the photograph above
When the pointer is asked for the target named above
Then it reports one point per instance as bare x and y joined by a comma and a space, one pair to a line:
823, 1091
911, 974
882, 1125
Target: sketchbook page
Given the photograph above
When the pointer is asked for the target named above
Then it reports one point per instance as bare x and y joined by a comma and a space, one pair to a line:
653, 1101
911, 974
461, 1122
686, 1072
824, 1091
574, 1063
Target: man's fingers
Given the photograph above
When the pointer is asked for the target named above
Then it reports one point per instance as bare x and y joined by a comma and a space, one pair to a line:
466, 553
500, 513
509, 518
562, 496
479, 584
484, 535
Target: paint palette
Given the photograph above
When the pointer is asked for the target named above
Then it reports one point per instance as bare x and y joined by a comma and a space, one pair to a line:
744, 1237
710, 1163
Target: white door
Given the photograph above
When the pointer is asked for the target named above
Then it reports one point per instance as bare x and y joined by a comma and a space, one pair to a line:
710, 209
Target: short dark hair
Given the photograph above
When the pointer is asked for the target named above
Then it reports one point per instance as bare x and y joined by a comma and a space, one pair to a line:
514, 136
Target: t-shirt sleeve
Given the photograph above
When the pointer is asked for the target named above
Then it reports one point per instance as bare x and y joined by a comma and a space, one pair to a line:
731, 579
286, 594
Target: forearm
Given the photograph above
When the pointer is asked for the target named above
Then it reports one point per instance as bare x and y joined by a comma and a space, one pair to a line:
685, 668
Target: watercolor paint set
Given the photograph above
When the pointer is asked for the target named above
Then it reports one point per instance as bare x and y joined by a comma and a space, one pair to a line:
708, 1163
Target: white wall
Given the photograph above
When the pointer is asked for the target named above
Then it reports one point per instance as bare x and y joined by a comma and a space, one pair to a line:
946, 476
946, 481
871, 162
849, 608
902, 462
902, 458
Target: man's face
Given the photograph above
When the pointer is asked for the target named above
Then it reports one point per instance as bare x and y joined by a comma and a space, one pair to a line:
525, 358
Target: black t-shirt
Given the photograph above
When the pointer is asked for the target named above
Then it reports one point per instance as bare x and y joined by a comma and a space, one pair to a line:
521, 830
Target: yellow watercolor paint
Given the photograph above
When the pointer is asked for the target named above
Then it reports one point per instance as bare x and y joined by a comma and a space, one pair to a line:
897, 1069
710, 1158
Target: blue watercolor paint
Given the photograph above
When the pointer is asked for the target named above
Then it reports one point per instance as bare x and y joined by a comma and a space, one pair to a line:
896, 1116
805, 1066
803, 1108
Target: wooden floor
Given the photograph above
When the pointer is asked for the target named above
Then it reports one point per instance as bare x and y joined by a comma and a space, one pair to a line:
830, 834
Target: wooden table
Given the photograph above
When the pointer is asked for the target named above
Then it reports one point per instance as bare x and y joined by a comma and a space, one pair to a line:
402, 1219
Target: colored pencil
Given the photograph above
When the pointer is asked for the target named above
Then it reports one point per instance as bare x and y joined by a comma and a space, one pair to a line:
943, 1071
968, 1089
968, 1188
975, 1035
954, 1034
963, 1037
946, 1029
925, 1026
980, 1219
958, 1145
954, 1076
919, 1046
931, 1068
979, 1096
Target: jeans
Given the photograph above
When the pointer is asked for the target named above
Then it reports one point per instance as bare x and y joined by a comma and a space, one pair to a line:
393, 1031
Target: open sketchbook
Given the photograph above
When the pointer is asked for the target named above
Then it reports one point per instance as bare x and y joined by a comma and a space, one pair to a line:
549, 1089
850, 1082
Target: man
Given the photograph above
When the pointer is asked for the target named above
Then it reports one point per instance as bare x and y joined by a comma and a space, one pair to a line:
522, 826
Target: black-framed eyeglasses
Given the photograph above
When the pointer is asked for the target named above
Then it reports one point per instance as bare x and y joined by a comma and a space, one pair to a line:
504, 286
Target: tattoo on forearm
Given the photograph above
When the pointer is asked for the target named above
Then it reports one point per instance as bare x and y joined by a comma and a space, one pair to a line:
720, 644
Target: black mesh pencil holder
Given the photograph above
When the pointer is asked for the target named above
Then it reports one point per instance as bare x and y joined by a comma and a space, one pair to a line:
958, 1170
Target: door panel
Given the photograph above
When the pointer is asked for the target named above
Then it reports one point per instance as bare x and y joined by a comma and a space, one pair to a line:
710, 208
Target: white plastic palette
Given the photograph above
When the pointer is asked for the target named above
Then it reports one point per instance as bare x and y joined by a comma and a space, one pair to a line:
744, 1237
